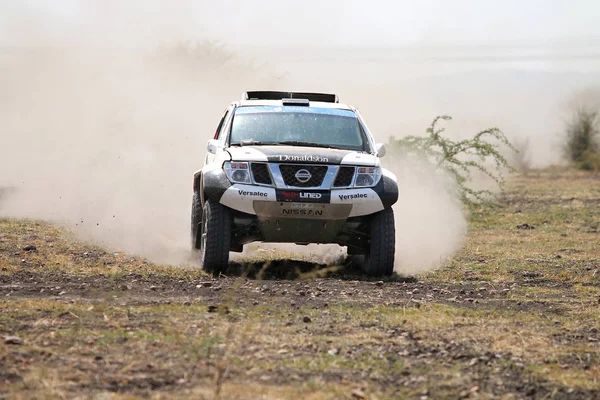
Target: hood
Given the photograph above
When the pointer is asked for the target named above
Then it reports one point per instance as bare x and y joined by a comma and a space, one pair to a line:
302, 155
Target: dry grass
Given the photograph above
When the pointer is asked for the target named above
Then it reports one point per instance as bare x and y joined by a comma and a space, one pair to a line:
514, 315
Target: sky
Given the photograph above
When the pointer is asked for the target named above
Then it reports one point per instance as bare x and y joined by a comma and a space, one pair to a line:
335, 43
362, 22
318, 22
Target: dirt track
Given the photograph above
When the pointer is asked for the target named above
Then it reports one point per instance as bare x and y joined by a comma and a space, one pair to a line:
489, 371
491, 324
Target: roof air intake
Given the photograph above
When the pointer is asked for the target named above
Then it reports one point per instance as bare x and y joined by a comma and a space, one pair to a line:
276, 95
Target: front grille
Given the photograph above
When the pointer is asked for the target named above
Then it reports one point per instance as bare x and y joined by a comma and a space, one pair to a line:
260, 173
317, 172
344, 177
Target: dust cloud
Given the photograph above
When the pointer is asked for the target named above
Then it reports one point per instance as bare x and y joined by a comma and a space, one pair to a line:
104, 139
431, 223
103, 120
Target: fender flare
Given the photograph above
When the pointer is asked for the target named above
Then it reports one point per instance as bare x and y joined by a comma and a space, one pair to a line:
387, 190
212, 184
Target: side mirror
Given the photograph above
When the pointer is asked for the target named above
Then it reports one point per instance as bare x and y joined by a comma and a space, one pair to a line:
213, 145
381, 150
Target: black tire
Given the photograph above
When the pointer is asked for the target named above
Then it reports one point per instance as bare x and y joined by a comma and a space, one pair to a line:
195, 222
214, 237
379, 261
356, 261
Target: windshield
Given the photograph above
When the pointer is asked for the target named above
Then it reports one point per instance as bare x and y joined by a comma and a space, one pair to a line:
321, 127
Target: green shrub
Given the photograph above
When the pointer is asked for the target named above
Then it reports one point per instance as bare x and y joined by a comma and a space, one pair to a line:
482, 152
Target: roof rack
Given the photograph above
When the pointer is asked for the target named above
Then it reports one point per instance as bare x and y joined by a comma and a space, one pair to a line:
277, 95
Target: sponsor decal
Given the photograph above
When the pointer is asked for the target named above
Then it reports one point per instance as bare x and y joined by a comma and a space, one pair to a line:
304, 158
250, 193
310, 195
301, 211
303, 196
352, 196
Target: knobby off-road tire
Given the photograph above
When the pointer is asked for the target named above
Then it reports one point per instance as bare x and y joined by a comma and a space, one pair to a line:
195, 222
215, 237
379, 261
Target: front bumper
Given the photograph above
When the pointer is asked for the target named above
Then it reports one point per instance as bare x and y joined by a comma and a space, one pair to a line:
301, 216
314, 204
296, 215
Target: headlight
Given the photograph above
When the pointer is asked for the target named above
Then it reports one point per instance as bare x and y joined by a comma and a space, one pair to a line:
237, 172
367, 176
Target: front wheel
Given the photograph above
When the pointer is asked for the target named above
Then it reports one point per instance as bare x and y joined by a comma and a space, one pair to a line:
379, 260
214, 237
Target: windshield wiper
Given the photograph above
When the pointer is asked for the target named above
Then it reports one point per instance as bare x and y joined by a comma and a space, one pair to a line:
307, 144
250, 142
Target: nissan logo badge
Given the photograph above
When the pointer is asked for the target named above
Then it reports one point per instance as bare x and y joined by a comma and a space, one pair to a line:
303, 176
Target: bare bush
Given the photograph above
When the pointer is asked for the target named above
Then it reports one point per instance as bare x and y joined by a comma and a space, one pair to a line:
582, 142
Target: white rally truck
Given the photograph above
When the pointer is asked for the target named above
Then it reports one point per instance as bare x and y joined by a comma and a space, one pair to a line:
293, 167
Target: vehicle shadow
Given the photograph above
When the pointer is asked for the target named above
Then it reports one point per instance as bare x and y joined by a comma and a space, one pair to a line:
285, 269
